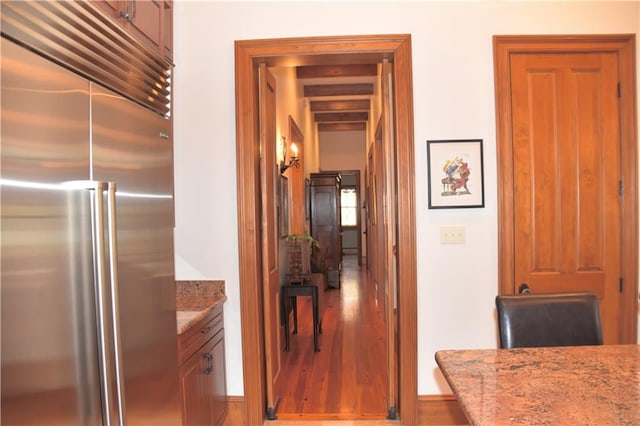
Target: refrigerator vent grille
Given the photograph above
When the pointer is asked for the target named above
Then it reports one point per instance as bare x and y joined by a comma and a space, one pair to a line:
79, 36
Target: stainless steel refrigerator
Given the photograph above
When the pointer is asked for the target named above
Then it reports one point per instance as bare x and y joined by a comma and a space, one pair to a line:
87, 279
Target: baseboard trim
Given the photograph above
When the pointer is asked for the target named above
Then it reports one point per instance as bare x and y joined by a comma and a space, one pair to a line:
440, 410
432, 410
235, 411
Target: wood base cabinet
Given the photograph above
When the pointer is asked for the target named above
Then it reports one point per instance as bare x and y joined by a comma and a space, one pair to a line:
202, 372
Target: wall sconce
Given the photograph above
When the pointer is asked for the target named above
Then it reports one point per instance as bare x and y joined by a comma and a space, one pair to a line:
293, 161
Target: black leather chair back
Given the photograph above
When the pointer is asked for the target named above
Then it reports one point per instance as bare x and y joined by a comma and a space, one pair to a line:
549, 319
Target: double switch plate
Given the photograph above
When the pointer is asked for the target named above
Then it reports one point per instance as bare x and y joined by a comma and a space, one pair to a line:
452, 234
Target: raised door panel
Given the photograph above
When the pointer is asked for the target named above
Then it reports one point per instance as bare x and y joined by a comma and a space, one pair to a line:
111, 7
146, 20
217, 381
194, 381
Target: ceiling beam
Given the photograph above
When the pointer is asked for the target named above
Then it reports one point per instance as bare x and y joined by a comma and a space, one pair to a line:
327, 117
344, 105
341, 127
338, 89
324, 71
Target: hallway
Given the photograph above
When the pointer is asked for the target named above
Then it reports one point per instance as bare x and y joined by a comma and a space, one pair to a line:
347, 379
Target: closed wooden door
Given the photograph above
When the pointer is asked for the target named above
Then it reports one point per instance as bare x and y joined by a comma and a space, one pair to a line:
269, 178
389, 234
566, 176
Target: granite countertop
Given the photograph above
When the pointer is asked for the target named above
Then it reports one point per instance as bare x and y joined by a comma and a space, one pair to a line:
191, 309
580, 385
195, 299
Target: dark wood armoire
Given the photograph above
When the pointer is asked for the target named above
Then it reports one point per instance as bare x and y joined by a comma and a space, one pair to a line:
325, 222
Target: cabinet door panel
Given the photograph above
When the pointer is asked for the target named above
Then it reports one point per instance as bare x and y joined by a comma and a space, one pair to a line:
147, 18
112, 7
218, 381
194, 382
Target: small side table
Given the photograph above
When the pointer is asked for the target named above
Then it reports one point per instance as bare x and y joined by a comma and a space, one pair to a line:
290, 291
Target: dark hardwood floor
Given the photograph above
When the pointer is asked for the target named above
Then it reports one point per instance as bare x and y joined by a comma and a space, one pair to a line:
347, 379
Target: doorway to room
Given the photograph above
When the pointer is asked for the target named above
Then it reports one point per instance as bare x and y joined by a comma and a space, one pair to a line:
335, 142
350, 214
396, 49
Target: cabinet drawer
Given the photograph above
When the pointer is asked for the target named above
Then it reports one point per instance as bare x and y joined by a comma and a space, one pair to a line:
196, 336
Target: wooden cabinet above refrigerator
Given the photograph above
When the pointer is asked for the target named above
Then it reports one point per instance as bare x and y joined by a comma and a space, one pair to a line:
150, 22
82, 37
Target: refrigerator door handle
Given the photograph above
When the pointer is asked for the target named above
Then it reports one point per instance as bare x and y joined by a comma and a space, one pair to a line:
97, 191
107, 295
115, 304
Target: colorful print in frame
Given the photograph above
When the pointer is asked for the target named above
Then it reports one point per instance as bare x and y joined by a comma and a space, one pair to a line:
455, 173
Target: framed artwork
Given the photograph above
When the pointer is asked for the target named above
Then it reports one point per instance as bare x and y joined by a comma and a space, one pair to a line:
284, 206
455, 173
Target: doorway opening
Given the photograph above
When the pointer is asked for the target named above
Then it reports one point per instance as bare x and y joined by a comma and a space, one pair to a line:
313, 51
350, 214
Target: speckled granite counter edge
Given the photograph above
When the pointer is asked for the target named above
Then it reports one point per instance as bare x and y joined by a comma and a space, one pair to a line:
195, 299
191, 314
200, 288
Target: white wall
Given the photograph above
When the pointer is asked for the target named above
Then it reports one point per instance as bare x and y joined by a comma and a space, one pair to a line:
343, 151
453, 98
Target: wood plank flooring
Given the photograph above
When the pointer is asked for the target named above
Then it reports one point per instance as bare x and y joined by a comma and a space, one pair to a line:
347, 379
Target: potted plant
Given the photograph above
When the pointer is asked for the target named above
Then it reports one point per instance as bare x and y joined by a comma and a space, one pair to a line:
299, 247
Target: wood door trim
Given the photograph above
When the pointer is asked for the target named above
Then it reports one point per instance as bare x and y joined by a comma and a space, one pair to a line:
624, 46
316, 51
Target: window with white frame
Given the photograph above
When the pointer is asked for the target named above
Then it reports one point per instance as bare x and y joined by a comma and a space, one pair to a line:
349, 207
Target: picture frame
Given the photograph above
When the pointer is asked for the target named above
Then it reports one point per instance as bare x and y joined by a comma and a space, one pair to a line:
284, 206
455, 172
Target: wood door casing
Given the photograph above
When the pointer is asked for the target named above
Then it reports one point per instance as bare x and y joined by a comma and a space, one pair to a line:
317, 51
566, 224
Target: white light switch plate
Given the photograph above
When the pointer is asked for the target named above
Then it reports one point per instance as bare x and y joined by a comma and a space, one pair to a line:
452, 234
